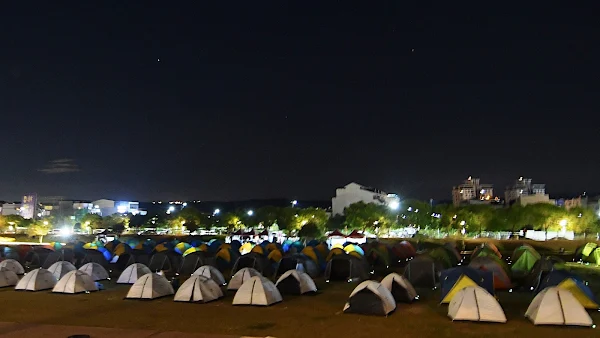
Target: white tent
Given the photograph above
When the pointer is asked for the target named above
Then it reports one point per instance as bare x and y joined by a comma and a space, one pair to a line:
198, 289
95, 270
8, 278
36, 280
241, 276
474, 303
150, 286
400, 288
370, 298
295, 282
12, 265
131, 274
557, 306
257, 291
75, 281
60, 268
211, 272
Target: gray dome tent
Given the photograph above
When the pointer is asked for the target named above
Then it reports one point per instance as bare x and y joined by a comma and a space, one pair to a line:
422, 272
370, 298
253, 260
298, 262
346, 267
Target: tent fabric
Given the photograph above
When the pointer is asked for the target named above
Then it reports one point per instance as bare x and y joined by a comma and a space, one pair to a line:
165, 260
576, 286
354, 248
475, 304
456, 279
336, 233
400, 287
255, 261
95, 270
36, 280
346, 267
422, 272
8, 278
295, 282
525, 262
275, 256
75, 281
240, 277
150, 286
298, 262
258, 250
51, 258
557, 306
198, 288
12, 265
490, 263
257, 291
442, 256
594, 257
334, 252
132, 273
586, 250
370, 298
61, 268
211, 272
191, 262
540, 269
486, 249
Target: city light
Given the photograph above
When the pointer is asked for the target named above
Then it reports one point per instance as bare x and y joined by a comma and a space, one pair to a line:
463, 222
45, 222
216, 212
250, 212
294, 202
563, 223
66, 231
394, 205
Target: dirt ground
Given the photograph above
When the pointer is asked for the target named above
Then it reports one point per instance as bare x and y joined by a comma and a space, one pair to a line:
308, 316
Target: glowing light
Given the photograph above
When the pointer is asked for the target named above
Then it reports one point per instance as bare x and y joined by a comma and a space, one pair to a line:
45, 222
563, 223
250, 212
65, 231
463, 222
216, 212
294, 202
394, 205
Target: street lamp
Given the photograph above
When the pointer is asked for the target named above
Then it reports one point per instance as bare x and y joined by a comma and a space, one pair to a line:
250, 212
216, 212
45, 222
394, 205
294, 202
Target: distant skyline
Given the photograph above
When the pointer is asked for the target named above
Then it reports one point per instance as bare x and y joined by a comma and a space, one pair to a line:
234, 101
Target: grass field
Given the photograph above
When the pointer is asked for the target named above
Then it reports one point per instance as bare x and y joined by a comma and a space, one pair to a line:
308, 316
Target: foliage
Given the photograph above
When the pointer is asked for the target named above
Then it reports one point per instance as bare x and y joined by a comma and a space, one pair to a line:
369, 216
310, 230
39, 228
91, 221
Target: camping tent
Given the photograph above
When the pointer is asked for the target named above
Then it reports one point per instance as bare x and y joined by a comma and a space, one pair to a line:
404, 251
422, 272
240, 277
8, 278
165, 260
295, 282
574, 284
257, 291
400, 287
256, 261
524, 258
12, 265
442, 256
211, 272
486, 249
456, 279
298, 262
75, 281
198, 289
540, 269
191, 262
132, 273
61, 268
346, 267
370, 298
95, 270
474, 303
557, 306
497, 267
150, 286
36, 280
585, 251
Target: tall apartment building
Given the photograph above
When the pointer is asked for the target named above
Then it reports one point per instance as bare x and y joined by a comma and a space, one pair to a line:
472, 190
523, 191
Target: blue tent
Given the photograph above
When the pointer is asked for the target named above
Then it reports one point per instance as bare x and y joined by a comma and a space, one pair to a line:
450, 277
236, 245
556, 277
313, 243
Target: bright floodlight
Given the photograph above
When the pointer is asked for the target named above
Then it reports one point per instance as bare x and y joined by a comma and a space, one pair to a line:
294, 202
216, 212
171, 209
394, 205
563, 222
65, 231
250, 212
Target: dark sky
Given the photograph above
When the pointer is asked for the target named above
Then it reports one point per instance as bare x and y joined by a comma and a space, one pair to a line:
266, 99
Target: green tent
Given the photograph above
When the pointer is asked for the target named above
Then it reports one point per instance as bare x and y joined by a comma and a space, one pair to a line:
441, 255
525, 261
594, 257
585, 251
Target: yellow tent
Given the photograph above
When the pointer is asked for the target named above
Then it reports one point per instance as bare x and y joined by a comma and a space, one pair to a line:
190, 250
224, 254
322, 249
89, 246
258, 249
460, 284
120, 249
271, 246
246, 248
309, 251
139, 246
203, 247
275, 255
225, 246
335, 252
160, 247
571, 285
338, 246
355, 254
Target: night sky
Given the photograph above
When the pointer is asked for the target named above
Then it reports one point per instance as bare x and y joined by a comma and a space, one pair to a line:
142, 100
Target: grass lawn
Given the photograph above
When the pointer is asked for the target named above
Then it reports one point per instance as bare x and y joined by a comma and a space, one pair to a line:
309, 316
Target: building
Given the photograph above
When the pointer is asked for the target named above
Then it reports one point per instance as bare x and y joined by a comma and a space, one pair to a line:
105, 207
524, 187
535, 199
354, 192
472, 191
11, 209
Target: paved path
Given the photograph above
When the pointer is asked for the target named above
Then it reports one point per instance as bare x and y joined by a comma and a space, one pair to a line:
22, 330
